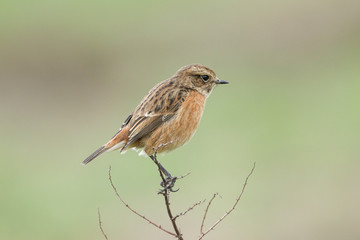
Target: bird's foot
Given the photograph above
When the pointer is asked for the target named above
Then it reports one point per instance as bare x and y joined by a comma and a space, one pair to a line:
168, 184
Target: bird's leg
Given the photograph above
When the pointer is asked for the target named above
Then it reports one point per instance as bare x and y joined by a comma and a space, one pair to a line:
168, 181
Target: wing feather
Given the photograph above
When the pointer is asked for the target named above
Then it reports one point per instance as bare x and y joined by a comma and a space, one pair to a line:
146, 120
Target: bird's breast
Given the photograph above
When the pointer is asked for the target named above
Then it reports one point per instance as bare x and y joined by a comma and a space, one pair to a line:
177, 131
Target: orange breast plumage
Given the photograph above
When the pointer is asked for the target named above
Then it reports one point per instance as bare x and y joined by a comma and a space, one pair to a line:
180, 128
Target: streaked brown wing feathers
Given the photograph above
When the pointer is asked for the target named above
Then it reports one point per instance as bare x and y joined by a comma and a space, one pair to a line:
144, 121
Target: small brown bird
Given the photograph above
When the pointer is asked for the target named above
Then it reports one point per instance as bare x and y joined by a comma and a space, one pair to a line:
168, 115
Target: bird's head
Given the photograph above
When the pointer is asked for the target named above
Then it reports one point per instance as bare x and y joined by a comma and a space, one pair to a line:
199, 78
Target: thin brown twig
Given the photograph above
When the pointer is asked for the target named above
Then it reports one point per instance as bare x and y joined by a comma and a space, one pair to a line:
183, 176
231, 209
189, 209
173, 221
166, 193
131, 209
100, 225
206, 211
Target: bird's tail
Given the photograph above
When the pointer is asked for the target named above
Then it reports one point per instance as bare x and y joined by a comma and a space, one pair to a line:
118, 141
94, 155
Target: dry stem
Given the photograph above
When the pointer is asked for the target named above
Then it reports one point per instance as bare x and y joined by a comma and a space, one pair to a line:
166, 195
206, 211
131, 209
100, 225
228, 212
189, 209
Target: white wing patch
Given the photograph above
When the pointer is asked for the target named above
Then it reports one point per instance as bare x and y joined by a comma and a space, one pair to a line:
116, 146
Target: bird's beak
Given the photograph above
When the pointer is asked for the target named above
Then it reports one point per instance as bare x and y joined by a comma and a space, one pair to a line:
219, 81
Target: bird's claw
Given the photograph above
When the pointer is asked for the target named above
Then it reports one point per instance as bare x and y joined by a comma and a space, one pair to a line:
168, 184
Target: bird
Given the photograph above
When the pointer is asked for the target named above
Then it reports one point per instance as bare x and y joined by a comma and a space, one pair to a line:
167, 117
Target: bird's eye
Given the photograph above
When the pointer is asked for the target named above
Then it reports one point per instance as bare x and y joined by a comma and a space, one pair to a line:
205, 77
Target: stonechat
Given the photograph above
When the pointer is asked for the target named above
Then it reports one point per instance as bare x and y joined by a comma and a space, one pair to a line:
168, 115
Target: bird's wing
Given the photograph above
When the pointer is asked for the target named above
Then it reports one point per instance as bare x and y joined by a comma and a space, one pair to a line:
146, 120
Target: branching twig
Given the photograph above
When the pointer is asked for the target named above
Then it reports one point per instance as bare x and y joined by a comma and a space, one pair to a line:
100, 225
183, 176
229, 211
189, 209
206, 211
131, 209
166, 193
173, 221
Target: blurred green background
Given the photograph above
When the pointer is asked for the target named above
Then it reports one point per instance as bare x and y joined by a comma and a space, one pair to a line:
72, 71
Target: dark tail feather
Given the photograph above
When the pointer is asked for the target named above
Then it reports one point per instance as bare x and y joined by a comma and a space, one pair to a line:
94, 155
